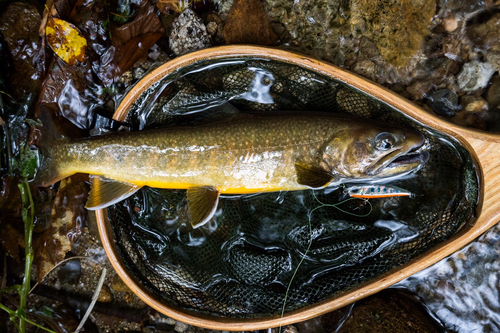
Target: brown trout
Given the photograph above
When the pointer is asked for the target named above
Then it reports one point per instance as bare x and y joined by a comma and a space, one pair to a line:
244, 154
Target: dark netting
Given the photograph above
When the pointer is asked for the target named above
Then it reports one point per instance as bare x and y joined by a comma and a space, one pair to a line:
241, 263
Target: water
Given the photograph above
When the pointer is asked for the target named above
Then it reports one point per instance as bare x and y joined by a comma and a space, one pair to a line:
242, 261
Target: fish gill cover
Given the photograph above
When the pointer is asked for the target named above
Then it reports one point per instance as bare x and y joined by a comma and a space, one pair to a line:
242, 261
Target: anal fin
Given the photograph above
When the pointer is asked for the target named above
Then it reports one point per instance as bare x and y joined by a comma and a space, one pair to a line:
106, 192
312, 178
202, 204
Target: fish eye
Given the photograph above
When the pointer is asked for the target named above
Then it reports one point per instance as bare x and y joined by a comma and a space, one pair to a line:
354, 190
384, 141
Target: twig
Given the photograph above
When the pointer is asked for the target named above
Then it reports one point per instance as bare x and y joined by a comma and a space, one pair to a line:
57, 265
94, 299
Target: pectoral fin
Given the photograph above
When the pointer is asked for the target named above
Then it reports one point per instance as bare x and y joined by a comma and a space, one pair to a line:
202, 204
106, 192
312, 178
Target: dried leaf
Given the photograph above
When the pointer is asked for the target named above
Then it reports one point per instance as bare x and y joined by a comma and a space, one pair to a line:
131, 42
66, 41
68, 215
19, 26
11, 240
177, 6
247, 23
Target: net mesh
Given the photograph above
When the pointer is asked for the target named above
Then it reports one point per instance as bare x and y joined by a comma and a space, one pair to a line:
241, 263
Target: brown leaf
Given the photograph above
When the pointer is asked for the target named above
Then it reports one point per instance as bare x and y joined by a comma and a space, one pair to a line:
131, 42
66, 41
68, 215
63, 93
11, 240
247, 23
19, 26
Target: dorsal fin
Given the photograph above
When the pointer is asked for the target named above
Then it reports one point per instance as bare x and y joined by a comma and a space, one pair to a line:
202, 204
106, 192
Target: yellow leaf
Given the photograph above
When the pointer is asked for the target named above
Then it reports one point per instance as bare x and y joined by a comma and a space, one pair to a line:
66, 40
177, 6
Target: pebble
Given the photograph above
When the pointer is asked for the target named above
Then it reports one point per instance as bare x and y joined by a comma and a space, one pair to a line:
474, 104
419, 89
119, 286
181, 327
70, 272
105, 295
188, 33
450, 24
212, 28
493, 92
444, 102
138, 73
475, 75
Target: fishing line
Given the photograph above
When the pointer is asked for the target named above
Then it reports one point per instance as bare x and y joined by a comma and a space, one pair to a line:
311, 240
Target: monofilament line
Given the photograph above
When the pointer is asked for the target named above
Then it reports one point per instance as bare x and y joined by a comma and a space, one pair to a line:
311, 240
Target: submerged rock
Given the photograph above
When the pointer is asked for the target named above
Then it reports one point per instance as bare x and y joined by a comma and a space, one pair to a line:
475, 75
188, 33
397, 27
493, 92
390, 311
486, 34
247, 23
444, 102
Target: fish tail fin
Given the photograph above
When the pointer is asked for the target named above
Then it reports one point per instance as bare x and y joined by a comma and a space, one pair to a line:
48, 171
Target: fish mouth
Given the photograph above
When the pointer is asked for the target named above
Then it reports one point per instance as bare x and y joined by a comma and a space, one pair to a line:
400, 161
410, 158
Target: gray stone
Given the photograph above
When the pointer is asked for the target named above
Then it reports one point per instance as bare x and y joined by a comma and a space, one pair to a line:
444, 102
188, 33
475, 75
493, 92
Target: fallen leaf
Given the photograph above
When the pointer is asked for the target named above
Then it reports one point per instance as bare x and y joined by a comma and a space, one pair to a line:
19, 26
66, 41
247, 23
68, 216
177, 6
131, 42
11, 239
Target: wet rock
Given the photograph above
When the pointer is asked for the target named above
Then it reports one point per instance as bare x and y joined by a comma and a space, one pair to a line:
181, 327
493, 92
486, 34
475, 75
473, 104
105, 295
471, 119
365, 68
398, 28
444, 102
188, 33
19, 26
70, 272
390, 311
247, 23
315, 27
494, 60
119, 286
419, 89
450, 24
212, 28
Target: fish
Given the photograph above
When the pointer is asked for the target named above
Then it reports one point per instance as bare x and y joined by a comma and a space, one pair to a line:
243, 154
377, 191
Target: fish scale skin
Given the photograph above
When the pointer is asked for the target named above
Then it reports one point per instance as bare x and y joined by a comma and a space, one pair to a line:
247, 152
243, 154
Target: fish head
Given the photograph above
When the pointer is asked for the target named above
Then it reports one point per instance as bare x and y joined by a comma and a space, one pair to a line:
375, 151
